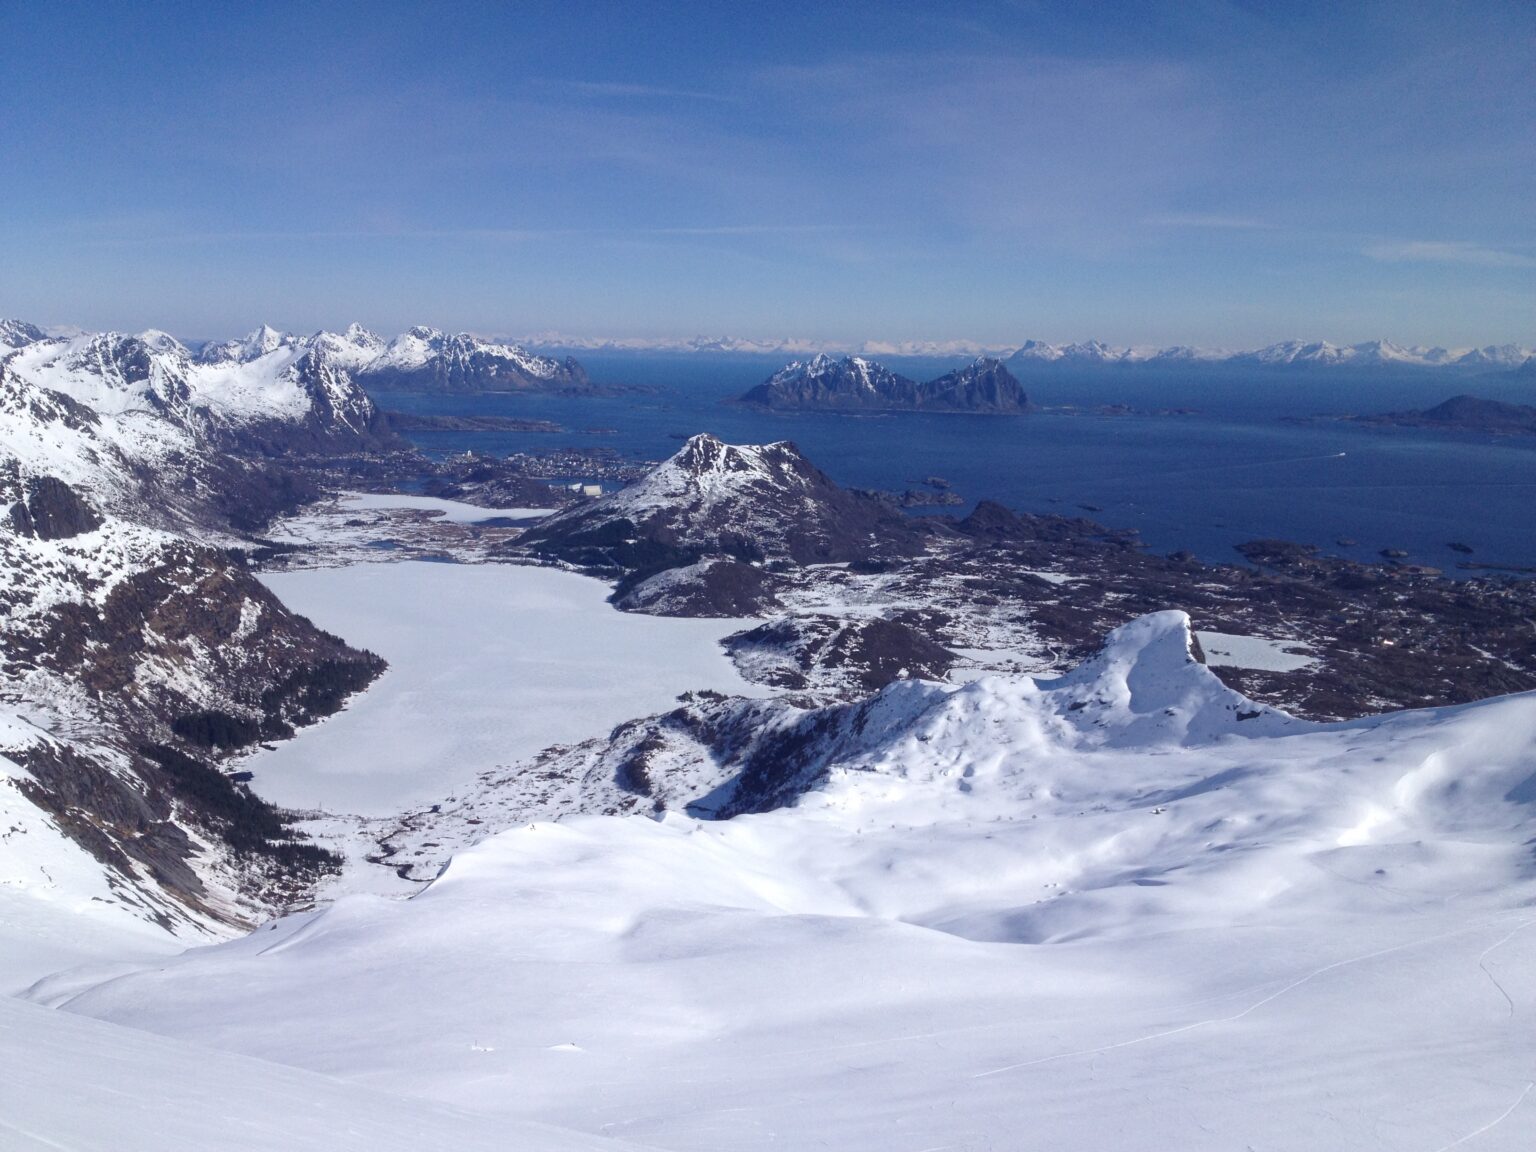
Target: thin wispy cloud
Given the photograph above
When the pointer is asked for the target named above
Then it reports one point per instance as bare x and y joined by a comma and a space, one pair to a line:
1448, 252
603, 88
504, 235
1207, 220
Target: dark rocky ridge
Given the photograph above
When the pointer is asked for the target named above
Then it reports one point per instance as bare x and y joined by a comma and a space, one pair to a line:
719, 587
52, 510
872, 651
856, 384
247, 665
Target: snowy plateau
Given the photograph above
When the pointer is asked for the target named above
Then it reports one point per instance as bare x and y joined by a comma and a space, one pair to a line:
608, 883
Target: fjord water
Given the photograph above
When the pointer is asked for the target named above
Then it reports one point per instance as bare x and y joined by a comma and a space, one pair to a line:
1247, 463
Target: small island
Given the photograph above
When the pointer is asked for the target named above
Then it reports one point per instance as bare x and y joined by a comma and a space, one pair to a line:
1464, 414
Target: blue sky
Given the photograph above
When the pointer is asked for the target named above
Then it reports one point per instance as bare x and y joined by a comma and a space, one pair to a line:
1200, 172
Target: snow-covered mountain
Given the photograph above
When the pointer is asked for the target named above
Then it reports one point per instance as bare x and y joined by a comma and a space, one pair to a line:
147, 399
853, 382
426, 359
134, 648
1289, 354
1124, 908
984, 385
849, 382
716, 504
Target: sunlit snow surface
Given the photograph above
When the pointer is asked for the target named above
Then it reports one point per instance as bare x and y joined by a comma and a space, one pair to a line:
1102, 912
454, 511
489, 664
84, 1086
1223, 650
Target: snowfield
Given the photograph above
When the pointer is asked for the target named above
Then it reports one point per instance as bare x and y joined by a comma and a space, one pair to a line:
129, 1091
1223, 650
1123, 909
488, 665
453, 511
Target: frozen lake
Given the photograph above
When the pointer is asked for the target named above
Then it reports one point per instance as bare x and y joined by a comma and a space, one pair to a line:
488, 664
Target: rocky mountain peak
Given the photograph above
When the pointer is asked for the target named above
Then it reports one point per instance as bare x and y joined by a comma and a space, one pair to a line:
984, 385
19, 334
743, 503
856, 383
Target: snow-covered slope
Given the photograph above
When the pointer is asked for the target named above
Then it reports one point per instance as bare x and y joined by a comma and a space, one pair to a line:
129, 1091
1122, 909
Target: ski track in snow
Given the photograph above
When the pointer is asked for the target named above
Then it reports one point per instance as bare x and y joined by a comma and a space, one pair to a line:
1492, 1124
1255, 1006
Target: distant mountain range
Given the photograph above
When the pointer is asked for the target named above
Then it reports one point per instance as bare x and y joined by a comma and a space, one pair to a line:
419, 360
854, 383
1091, 354
1288, 354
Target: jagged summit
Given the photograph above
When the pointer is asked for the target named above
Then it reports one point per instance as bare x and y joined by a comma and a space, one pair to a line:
18, 334
422, 358
431, 360
854, 382
128, 417
984, 385
827, 382
262, 342
269, 386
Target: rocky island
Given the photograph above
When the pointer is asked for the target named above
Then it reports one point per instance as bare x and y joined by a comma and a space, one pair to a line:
853, 383
1464, 414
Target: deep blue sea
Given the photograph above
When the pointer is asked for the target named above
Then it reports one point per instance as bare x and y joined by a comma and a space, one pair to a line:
1237, 470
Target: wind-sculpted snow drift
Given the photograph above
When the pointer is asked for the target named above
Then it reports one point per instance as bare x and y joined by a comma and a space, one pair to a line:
1124, 908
